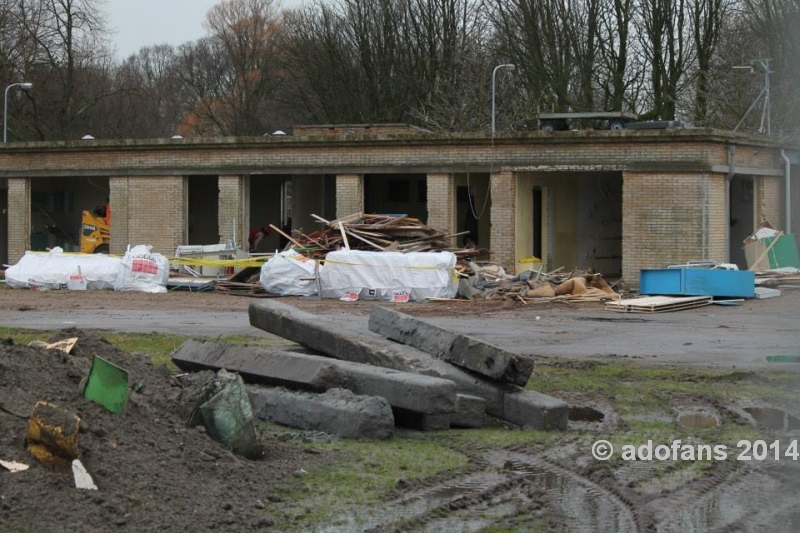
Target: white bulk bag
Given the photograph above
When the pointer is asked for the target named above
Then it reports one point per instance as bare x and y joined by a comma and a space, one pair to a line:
393, 276
51, 270
283, 274
142, 271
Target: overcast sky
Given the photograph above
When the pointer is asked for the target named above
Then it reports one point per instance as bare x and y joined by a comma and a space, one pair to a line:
138, 23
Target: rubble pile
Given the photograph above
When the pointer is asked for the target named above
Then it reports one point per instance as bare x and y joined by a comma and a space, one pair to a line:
490, 282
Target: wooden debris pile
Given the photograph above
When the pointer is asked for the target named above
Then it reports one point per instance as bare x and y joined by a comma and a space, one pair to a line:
490, 282
377, 233
780, 278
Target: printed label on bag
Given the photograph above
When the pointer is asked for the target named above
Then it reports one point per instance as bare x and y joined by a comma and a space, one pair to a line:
401, 297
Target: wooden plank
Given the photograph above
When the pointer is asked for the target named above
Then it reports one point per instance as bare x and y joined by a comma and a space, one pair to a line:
276, 228
656, 304
766, 251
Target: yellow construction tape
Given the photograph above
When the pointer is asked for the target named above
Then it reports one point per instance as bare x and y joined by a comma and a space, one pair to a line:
380, 266
199, 261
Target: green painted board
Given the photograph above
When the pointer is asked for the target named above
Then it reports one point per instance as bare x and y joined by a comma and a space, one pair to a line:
784, 253
107, 385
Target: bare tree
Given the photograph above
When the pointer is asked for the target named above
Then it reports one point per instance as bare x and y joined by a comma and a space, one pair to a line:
708, 18
775, 24
666, 46
234, 74
68, 57
389, 61
614, 76
149, 102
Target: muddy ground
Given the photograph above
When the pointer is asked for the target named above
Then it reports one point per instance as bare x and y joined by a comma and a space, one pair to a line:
155, 474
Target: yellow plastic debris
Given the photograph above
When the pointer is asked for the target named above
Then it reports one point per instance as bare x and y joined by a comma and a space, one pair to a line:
52, 435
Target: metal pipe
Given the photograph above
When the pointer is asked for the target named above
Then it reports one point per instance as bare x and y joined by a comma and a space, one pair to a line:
22, 85
787, 190
507, 66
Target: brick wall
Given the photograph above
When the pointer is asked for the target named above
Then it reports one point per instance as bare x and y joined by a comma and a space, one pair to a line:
441, 202
148, 210
769, 204
232, 205
502, 234
118, 198
349, 194
19, 218
671, 219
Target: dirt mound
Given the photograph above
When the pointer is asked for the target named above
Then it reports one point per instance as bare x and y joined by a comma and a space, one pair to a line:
153, 472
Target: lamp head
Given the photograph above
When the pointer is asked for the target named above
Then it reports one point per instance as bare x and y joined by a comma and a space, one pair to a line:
26, 86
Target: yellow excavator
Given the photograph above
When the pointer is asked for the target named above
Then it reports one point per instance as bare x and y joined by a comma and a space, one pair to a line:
96, 230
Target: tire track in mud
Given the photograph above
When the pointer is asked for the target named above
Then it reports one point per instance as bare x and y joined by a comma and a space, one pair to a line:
736, 496
512, 485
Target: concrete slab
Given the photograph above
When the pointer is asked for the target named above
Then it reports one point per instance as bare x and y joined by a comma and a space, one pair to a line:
462, 350
336, 411
414, 392
354, 342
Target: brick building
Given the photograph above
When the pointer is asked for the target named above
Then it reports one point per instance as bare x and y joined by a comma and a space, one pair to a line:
614, 201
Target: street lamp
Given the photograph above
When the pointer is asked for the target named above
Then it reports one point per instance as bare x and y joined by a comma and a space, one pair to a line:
507, 66
762, 64
24, 86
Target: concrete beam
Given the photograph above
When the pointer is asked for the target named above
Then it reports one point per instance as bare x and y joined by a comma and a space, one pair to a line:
462, 350
354, 342
410, 391
337, 411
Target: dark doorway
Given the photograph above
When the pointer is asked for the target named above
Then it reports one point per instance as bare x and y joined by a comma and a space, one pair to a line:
537, 222
741, 204
203, 210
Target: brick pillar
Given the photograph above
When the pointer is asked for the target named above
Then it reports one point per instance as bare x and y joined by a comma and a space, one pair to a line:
769, 201
118, 198
349, 194
441, 202
19, 218
156, 212
232, 206
502, 236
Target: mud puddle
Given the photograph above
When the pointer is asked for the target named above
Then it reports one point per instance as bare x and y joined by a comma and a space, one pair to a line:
512, 488
520, 490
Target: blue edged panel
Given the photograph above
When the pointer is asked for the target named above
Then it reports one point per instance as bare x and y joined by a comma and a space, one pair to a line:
697, 282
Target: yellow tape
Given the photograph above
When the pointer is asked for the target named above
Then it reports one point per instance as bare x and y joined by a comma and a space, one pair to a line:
382, 266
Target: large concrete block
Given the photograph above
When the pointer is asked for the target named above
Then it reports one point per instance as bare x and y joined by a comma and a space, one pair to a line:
354, 342
337, 411
270, 367
414, 392
470, 411
462, 350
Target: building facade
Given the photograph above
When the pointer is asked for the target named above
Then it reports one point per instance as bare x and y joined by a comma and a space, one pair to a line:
611, 201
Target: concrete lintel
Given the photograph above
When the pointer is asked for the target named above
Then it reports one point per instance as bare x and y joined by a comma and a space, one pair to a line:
414, 392
751, 171
354, 342
337, 411
462, 350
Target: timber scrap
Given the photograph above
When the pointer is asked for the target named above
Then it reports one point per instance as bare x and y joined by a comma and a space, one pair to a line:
377, 233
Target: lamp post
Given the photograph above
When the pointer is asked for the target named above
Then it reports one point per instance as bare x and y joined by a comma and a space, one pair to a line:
762, 64
24, 86
507, 66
